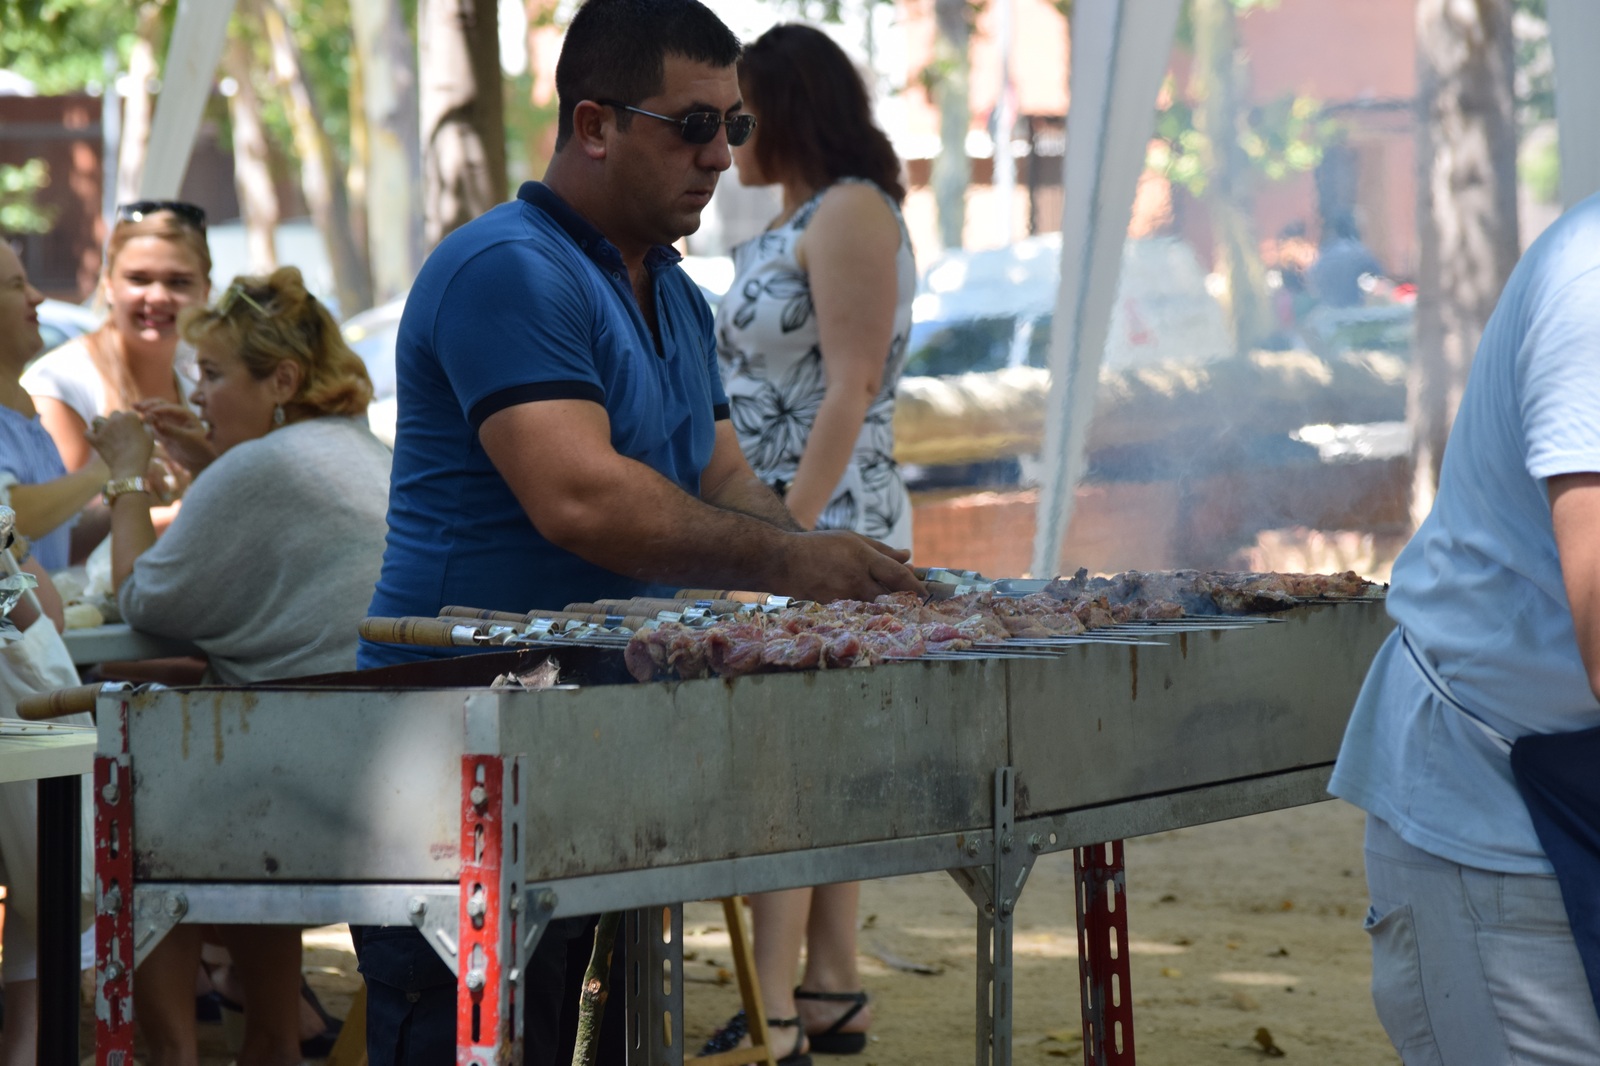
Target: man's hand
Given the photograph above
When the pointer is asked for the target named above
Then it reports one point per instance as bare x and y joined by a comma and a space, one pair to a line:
837, 565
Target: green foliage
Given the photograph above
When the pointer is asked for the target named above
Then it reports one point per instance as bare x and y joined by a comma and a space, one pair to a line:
19, 213
1539, 169
60, 45
1279, 138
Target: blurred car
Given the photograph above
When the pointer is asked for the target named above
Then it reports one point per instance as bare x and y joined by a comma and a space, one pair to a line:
372, 334
988, 310
60, 321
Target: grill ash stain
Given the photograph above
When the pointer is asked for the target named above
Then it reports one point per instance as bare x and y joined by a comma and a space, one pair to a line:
216, 730
183, 741
269, 864
1133, 670
1183, 645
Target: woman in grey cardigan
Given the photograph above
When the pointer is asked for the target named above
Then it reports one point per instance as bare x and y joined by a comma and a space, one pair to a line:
268, 568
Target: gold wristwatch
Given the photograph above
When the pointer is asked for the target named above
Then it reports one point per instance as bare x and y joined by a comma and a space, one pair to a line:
118, 486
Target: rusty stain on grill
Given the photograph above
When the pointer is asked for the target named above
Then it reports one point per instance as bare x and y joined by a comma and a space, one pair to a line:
1133, 671
1183, 645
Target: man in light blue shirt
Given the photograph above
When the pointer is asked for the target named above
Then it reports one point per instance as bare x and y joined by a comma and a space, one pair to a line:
1498, 594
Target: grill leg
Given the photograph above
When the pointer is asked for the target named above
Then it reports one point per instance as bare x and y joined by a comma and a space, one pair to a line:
1103, 966
654, 994
113, 910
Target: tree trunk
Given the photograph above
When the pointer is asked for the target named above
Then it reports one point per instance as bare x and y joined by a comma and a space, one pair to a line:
394, 178
138, 107
322, 177
252, 172
1216, 84
1466, 210
463, 113
952, 171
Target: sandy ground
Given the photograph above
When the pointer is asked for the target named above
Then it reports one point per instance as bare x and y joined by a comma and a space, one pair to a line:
1235, 929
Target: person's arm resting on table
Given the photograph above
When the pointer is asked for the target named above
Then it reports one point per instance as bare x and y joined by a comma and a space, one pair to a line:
557, 457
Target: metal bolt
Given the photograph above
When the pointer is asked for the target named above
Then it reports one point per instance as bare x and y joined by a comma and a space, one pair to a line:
475, 980
109, 793
1006, 907
972, 846
114, 970
479, 796
1035, 843
176, 905
546, 899
513, 975
477, 907
516, 903
1006, 843
417, 907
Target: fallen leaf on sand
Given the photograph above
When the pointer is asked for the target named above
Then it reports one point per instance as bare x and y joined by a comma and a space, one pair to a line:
1171, 971
1268, 1048
1244, 1001
904, 965
1062, 1036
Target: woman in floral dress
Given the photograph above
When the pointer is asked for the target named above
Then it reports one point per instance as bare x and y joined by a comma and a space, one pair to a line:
811, 339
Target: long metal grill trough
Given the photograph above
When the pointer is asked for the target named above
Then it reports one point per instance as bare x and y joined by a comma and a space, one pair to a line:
352, 799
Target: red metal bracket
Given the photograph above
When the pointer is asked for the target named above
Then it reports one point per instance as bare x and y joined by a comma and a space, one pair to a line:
113, 910
1104, 969
486, 1029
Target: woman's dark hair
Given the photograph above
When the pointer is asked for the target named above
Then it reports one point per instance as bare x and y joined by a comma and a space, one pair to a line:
816, 117
616, 50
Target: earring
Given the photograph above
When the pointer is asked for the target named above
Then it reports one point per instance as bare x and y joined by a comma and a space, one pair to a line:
278, 417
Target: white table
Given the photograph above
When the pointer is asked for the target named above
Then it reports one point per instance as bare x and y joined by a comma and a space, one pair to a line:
54, 756
120, 642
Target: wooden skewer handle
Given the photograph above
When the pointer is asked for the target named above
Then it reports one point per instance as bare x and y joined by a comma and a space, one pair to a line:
63, 701
474, 614
431, 632
723, 594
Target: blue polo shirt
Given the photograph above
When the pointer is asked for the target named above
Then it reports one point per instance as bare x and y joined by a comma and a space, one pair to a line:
530, 302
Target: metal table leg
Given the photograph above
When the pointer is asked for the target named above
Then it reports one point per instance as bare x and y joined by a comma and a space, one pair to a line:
60, 837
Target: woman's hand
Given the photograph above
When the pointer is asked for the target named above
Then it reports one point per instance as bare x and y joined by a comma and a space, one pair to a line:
123, 442
180, 432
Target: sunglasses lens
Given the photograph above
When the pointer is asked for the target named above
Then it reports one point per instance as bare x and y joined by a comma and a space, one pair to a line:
136, 211
740, 128
701, 127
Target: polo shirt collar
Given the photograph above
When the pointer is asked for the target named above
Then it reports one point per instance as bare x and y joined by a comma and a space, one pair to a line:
583, 233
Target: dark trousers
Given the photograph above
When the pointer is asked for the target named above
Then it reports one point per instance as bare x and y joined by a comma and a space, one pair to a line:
411, 997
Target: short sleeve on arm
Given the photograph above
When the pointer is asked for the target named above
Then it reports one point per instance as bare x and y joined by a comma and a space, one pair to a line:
517, 325
1559, 381
68, 376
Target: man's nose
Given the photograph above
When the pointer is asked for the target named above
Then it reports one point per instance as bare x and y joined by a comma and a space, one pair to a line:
717, 154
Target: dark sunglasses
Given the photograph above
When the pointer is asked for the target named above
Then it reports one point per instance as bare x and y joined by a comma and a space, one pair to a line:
698, 127
139, 209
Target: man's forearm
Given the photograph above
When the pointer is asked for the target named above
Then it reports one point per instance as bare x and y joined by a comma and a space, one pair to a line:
750, 496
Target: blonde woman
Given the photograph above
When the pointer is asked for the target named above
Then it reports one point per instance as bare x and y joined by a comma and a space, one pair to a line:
268, 568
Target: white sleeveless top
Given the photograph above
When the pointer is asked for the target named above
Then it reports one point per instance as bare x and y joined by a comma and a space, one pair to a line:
769, 349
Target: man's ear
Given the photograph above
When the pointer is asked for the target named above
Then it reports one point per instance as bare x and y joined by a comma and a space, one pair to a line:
590, 125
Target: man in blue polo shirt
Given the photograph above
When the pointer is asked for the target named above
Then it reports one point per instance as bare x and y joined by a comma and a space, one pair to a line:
562, 431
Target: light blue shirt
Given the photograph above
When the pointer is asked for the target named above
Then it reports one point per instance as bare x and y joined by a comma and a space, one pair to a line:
1479, 588
29, 455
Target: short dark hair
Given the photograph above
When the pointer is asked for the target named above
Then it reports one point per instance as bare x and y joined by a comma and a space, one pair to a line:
617, 49
816, 116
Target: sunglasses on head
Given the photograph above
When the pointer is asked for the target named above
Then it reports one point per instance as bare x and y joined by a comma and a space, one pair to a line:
234, 294
698, 127
138, 210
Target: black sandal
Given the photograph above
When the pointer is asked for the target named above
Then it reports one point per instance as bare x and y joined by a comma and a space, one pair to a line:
727, 1038
831, 1041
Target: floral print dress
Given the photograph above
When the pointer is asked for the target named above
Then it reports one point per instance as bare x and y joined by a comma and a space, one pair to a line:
770, 353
